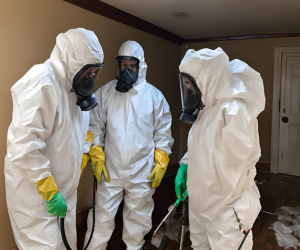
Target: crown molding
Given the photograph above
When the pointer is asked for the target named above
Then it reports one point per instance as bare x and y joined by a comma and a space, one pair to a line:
228, 38
118, 15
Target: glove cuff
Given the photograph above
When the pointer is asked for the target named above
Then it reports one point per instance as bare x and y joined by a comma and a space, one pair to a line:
89, 137
47, 187
161, 158
85, 157
183, 167
97, 155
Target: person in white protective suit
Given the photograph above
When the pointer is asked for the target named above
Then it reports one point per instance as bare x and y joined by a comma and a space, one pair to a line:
223, 148
46, 138
133, 125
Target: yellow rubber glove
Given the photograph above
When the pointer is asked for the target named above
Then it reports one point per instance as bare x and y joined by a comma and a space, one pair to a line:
86, 157
47, 188
98, 159
161, 160
56, 204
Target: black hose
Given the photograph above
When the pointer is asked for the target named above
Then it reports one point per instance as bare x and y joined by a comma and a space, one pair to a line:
184, 212
63, 234
62, 222
240, 247
94, 194
163, 241
184, 220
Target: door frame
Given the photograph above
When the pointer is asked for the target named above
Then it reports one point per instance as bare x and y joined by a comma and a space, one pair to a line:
278, 55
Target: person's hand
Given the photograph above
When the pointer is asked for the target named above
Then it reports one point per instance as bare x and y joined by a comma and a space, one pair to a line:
180, 180
161, 160
57, 206
157, 175
184, 195
98, 160
99, 169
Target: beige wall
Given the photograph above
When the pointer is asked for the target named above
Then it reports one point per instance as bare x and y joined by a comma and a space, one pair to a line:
259, 54
28, 30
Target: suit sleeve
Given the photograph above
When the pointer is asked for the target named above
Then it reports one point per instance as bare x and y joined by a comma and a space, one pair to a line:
240, 136
98, 120
162, 128
34, 111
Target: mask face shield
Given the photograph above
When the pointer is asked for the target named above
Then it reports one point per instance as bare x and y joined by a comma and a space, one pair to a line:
83, 86
190, 97
128, 73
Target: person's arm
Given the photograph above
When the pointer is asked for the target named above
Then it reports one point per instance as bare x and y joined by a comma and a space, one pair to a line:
98, 129
184, 159
34, 114
98, 120
181, 177
162, 128
86, 149
163, 142
238, 152
240, 136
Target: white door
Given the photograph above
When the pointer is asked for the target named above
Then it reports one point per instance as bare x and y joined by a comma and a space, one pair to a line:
289, 141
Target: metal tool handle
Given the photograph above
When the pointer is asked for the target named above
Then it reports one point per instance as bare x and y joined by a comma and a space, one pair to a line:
184, 220
162, 221
182, 237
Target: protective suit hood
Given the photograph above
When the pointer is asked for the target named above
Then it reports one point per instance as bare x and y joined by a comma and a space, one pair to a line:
73, 50
217, 78
132, 48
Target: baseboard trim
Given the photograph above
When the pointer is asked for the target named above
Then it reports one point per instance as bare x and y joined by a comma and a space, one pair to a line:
260, 166
81, 216
264, 162
13, 248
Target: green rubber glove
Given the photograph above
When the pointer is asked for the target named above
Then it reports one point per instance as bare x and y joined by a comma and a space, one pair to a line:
180, 180
184, 195
57, 206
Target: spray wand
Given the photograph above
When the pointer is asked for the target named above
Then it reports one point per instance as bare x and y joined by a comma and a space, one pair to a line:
176, 204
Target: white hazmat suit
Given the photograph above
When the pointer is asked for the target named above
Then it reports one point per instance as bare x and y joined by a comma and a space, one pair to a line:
46, 137
223, 148
130, 126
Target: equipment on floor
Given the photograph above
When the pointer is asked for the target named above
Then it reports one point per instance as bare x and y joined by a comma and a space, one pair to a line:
184, 220
62, 222
174, 206
168, 225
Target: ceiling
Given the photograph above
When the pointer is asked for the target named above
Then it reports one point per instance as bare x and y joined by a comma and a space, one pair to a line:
217, 18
